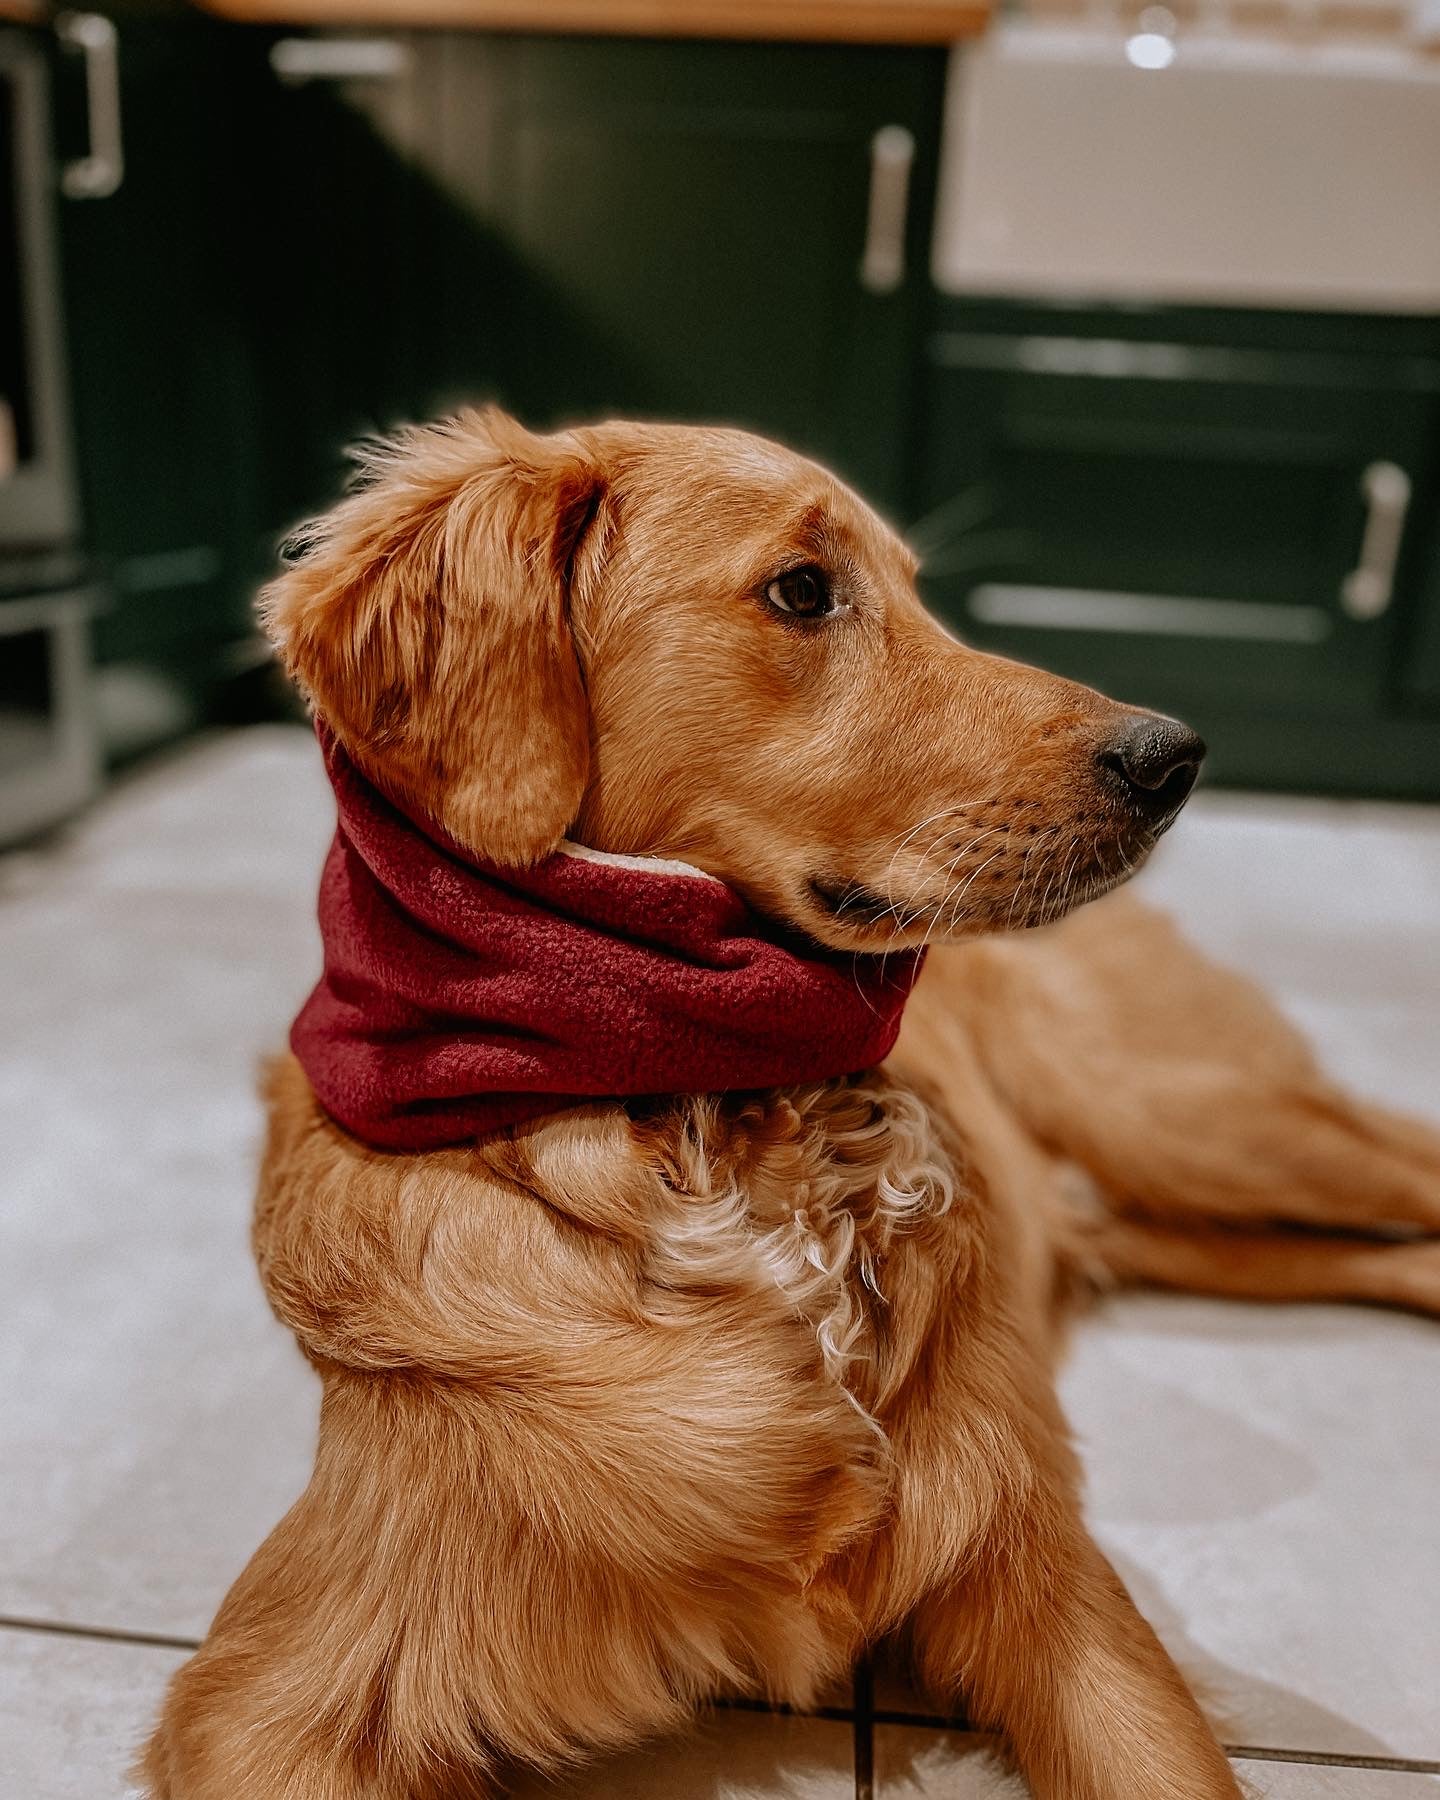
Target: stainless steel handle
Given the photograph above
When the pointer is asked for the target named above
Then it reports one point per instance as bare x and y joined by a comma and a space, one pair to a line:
1366, 591
298, 60
96, 175
892, 155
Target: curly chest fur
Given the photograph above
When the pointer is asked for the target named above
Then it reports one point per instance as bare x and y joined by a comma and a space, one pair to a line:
804, 1197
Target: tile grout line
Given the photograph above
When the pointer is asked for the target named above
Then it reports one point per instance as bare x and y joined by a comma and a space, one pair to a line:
864, 1716
100, 1634
1324, 1759
748, 1703
863, 1692
1334, 1759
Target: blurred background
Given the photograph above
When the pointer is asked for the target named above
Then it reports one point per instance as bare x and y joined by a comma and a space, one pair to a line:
1130, 315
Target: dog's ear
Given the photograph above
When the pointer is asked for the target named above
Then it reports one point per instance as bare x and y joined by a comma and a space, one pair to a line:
427, 616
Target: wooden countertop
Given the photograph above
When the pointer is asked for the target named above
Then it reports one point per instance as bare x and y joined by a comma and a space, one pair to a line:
832, 21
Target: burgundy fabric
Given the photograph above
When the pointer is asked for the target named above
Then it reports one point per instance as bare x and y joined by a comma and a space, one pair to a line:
459, 998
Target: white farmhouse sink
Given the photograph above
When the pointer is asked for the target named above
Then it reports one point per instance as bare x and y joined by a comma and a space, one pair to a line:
1245, 172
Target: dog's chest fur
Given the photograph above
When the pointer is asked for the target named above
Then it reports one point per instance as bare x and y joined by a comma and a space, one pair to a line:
801, 1195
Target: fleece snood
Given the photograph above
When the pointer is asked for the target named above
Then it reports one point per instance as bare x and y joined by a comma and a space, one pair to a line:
459, 998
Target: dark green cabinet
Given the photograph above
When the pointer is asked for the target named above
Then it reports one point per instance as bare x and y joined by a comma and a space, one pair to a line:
1232, 530
320, 236
584, 227
163, 369
688, 227
355, 246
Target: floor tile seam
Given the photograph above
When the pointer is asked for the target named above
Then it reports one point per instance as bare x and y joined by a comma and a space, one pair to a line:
863, 1716
753, 1704
1339, 1759
98, 1634
1335, 1759
863, 1750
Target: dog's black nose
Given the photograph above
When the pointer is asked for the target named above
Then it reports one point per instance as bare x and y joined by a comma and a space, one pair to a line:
1157, 759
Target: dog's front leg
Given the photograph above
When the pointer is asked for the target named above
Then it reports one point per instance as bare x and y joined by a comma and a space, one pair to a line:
1039, 1638
1013, 1613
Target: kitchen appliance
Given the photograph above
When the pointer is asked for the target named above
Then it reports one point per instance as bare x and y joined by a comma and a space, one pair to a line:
49, 756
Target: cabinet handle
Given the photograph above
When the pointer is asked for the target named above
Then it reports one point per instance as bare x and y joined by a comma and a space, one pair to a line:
298, 60
892, 154
96, 175
1366, 591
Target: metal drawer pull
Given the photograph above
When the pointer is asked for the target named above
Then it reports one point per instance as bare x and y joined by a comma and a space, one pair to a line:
96, 175
297, 60
1367, 590
1147, 615
892, 155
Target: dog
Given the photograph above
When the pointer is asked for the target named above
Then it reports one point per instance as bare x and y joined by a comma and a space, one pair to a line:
642, 1402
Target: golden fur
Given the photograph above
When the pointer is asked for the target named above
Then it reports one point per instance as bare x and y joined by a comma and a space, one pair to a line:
649, 1404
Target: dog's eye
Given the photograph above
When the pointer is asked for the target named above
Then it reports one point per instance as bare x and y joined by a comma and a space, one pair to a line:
805, 592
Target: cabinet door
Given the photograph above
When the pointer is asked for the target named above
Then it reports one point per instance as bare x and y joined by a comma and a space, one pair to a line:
683, 229
1420, 652
352, 234
158, 339
1179, 524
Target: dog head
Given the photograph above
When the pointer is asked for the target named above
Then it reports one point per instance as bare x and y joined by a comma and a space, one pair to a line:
692, 643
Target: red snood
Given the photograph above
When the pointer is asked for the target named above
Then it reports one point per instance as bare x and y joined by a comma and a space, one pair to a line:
459, 998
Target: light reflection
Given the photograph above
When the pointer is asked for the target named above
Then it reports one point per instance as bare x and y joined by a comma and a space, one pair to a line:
1150, 50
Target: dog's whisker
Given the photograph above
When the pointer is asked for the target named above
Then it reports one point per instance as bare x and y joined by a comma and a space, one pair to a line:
1021, 883
945, 812
903, 914
953, 907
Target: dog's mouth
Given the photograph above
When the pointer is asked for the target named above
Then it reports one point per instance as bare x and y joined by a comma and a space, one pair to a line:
1022, 894
852, 903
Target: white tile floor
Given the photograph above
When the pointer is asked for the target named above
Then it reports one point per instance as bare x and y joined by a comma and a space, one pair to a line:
1268, 1481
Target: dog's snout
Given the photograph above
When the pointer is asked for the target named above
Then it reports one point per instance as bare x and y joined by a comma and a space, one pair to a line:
1158, 760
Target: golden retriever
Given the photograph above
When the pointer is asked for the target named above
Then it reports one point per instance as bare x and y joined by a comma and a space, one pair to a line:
591, 1450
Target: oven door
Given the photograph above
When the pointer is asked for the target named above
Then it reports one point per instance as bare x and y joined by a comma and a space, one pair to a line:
38, 508
49, 754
